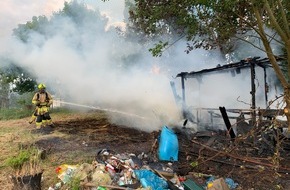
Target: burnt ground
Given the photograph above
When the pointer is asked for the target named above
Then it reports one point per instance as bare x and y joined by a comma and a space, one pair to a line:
206, 153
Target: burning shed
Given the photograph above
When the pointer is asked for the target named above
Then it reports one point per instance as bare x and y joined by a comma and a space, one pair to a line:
255, 68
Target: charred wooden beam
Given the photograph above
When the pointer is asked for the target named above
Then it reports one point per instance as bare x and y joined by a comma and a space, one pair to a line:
238, 65
253, 91
266, 87
183, 97
227, 122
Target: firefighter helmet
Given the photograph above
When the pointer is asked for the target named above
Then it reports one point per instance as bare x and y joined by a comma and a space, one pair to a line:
41, 86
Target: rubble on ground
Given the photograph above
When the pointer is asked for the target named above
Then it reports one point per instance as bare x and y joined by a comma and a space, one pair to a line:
206, 159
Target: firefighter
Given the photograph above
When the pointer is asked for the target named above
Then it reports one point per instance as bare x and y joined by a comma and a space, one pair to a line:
42, 100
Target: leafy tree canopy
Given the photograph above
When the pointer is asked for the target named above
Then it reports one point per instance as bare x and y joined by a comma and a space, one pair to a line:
18, 80
38, 25
208, 24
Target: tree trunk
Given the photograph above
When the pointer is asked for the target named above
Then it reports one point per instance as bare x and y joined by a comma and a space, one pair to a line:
287, 108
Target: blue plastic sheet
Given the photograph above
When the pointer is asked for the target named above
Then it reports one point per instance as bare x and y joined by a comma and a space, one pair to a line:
149, 179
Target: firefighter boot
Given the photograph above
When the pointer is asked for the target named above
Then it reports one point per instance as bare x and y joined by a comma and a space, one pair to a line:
49, 123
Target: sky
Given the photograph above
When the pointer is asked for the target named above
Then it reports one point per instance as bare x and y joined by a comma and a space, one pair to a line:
93, 73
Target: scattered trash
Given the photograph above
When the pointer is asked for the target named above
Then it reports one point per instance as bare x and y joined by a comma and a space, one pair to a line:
217, 184
129, 171
83, 171
191, 185
56, 186
230, 182
100, 177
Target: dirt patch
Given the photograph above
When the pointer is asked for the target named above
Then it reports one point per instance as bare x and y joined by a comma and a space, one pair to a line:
92, 135
78, 138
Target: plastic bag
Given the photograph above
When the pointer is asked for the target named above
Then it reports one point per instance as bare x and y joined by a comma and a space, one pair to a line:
65, 172
148, 179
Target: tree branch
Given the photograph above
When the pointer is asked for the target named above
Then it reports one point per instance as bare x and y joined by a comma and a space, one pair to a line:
273, 20
268, 49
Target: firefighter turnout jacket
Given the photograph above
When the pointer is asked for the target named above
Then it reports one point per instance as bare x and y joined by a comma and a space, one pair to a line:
42, 101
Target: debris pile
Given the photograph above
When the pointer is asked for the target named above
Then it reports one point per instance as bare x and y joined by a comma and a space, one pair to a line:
128, 171
158, 171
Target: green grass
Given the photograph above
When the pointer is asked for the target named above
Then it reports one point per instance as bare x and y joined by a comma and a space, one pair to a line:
17, 162
15, 135
6, 129
13, 113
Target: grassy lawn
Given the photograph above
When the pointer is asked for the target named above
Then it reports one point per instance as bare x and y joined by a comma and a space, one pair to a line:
16, 132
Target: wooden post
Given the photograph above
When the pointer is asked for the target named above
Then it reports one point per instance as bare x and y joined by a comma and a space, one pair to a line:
183, 97
253, 92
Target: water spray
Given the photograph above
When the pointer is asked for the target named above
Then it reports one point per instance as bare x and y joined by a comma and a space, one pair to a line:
101, 109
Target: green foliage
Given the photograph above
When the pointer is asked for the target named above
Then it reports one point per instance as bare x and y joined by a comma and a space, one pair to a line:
74, 183
7, 114
25, 31
73, 12
24, 84
21, 101
158, 49
18, 161
21, 80
80, 15
206, 24
27, 161
202, 22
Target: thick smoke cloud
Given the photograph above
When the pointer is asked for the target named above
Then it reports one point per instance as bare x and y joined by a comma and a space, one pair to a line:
90, 64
